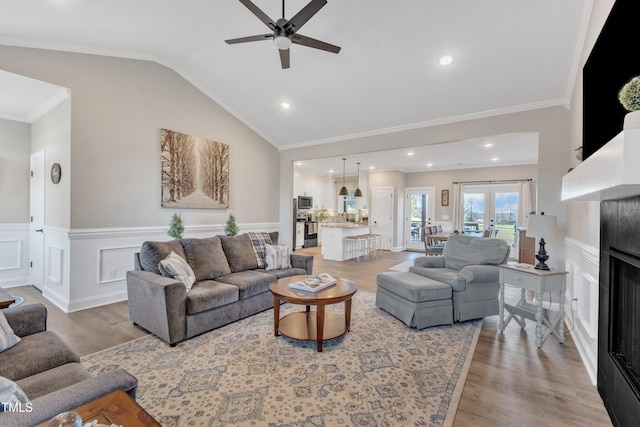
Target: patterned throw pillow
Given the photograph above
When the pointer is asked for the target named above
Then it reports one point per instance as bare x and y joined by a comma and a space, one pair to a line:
259, 240
175, 266
277, 257
7, 338
10, 393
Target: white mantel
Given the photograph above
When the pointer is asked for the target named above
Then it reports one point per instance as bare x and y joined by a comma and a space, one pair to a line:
612, 172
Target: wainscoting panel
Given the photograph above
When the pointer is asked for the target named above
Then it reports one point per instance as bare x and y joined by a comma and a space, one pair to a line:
14, 255
583, 265
100, 259
57, 271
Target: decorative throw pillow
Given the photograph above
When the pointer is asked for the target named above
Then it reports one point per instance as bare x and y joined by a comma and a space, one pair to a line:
175, 266
277, 257
7, 338
258, 240
10, 394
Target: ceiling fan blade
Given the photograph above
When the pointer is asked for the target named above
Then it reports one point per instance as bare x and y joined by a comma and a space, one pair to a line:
284, 58
304, 15
259, 13
250, 39
309, 42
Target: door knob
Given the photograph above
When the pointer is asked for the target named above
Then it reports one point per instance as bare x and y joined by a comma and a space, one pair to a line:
39, 230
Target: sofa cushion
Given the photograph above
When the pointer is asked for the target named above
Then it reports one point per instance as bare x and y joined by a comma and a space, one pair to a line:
209, 294
249, 283
277, 257
152, 253
34, 354
461, 251
239, 251
7, 338
53, 380
413, 287
11, 393
175, 266
444, 275
206, 257
287, 272
258, 240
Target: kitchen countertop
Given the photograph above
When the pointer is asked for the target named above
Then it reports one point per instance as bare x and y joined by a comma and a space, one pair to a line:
344, 224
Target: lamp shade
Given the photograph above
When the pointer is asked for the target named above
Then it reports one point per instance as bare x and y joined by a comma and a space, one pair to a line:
542, 226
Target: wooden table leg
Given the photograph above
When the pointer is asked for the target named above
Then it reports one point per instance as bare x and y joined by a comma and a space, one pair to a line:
320, 325
539, 322
347, 315
276, 315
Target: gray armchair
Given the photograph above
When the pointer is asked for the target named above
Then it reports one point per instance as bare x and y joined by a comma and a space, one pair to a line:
469, 265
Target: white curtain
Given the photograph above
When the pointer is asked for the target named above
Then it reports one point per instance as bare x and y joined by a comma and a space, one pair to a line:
526, 202
457, 207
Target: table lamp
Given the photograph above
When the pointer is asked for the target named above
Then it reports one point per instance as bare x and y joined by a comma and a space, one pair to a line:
542, 226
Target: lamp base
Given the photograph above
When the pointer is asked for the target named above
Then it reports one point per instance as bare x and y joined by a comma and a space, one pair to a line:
542, 257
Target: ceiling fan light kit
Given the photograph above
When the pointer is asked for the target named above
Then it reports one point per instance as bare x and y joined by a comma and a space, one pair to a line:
285, 31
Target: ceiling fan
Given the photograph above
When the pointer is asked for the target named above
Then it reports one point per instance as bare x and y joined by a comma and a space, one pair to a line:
285, 31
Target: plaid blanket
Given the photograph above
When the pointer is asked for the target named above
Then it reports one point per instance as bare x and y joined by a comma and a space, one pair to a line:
258, 240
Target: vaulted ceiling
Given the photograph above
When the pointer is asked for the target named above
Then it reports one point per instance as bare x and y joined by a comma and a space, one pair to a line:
508, 55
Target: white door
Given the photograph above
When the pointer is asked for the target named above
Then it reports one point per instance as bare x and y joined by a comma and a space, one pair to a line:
492, 206
419, 210
381, 218
36, 232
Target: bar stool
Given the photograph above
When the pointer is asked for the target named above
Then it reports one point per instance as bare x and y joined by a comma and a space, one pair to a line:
357, 246
374, 242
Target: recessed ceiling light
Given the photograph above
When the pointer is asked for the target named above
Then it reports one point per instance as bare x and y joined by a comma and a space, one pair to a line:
299, 163
487, 145
286, 105
495, 159
446, 59
410, 153
330, 170
371, 167
429, 165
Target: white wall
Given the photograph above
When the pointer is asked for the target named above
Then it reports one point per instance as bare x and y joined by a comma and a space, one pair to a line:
15, 146
15, 142
442, 180
117, 109
583, 230
552, 125
51, 133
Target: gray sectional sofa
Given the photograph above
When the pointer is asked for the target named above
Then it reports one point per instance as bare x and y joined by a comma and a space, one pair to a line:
229, 285
49, 372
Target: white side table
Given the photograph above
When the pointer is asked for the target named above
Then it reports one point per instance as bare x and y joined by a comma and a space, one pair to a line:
526, 277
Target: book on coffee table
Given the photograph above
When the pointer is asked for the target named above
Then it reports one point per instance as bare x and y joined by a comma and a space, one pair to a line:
314, 283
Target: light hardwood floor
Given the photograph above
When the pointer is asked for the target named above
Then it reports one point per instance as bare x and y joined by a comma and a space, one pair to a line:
510, 383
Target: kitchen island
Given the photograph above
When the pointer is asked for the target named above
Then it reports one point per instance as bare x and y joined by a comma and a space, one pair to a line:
333, 235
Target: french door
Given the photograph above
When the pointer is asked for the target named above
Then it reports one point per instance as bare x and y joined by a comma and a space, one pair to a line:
419, 210
492, 207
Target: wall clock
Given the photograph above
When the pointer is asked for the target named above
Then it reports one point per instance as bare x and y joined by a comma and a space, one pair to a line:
56, 172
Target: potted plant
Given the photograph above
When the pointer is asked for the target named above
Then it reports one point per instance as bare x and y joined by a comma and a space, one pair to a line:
176, 229
629, 97
231, 228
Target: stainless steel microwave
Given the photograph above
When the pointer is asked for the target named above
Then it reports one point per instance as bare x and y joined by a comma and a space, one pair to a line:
305, 202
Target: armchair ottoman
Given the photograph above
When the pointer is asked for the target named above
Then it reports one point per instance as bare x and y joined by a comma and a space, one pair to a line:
461, 284
419, 302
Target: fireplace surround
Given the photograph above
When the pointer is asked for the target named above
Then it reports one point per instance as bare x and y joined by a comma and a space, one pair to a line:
619, 310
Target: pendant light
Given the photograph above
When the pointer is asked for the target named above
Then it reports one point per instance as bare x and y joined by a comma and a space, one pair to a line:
358, 192
343, 190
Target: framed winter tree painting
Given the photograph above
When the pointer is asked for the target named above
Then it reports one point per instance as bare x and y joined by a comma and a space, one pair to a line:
195, 172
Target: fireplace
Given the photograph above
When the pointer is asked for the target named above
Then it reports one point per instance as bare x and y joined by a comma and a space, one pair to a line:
619, 312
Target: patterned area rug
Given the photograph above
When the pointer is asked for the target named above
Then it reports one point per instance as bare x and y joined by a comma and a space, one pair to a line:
380, 374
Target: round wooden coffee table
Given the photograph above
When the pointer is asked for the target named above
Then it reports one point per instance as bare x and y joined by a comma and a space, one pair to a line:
312, 325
